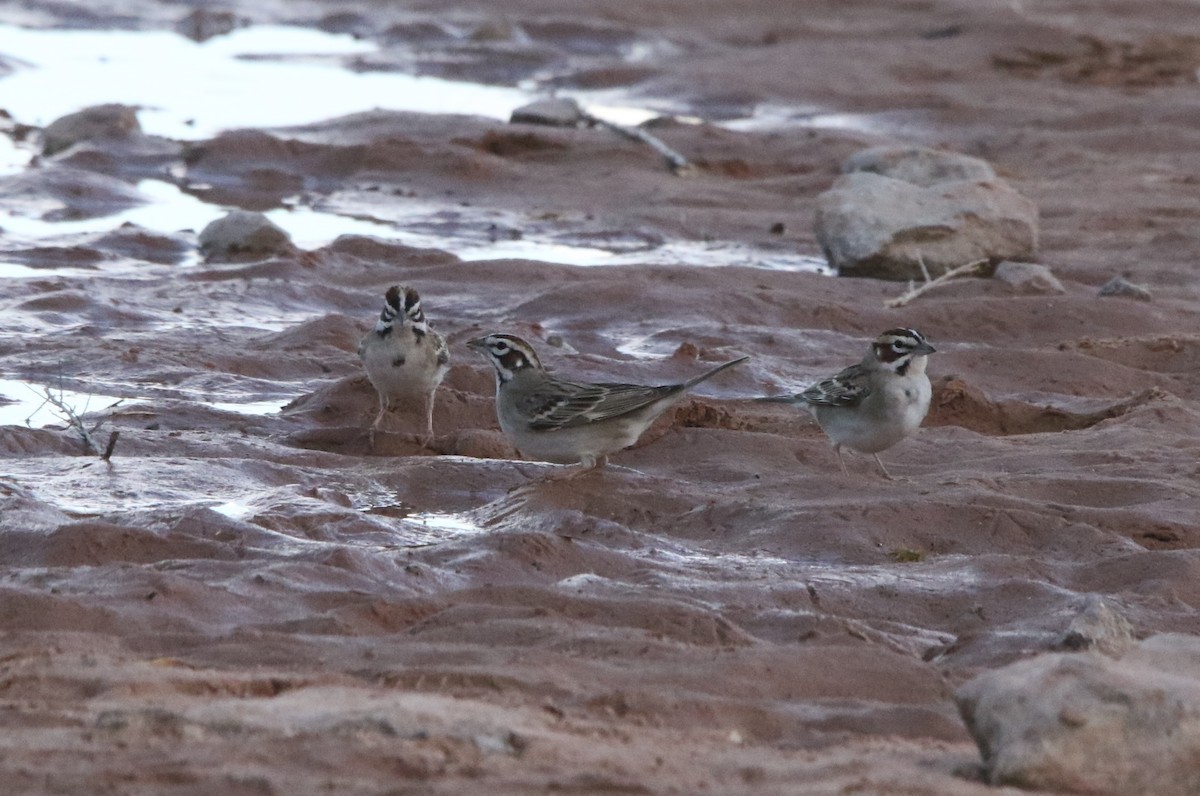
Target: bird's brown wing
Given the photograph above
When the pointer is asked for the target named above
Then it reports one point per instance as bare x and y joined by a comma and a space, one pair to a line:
570, 404
847, 388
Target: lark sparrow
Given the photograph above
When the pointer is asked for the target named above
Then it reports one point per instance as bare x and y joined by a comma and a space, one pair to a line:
878, 402
404, 359
551, 419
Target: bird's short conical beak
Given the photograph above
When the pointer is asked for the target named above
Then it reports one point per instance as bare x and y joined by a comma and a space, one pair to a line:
926, 348
477, 343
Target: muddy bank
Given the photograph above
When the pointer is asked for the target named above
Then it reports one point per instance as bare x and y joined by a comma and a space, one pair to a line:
252, 598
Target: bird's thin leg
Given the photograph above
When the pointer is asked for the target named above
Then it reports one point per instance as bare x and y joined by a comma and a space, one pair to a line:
383, 407
882, 469
428, 438
841, 462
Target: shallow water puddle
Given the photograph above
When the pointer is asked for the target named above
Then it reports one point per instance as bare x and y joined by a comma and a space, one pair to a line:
190, 90
670, 253
86, 486
239, 508
781, 117
19, 271
452, 523
167, 210
435, 526
680, 564
406, 527
251, 407
475, 234
429, 528
248, 78
13, 158
25, 403
170, 210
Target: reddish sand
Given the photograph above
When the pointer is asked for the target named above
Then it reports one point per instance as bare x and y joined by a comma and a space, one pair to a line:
721, 611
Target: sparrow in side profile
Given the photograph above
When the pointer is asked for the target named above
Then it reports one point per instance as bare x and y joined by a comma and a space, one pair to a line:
554, 420
874, 404
405, 360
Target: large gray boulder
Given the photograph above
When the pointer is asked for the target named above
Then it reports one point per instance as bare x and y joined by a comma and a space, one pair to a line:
898, 207
1090, 723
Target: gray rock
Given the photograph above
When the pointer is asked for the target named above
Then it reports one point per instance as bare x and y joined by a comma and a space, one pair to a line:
919, 165
1099, 626
871, 225
560, 112
243, 235
1120, 286
1088, 723
98, 122
1028, 277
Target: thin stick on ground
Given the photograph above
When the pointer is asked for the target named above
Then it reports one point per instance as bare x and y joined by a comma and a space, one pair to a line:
68, 415
676, 162
112, 443
916, 290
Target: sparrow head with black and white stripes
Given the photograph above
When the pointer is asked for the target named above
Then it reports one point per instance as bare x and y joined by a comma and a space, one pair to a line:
404, 358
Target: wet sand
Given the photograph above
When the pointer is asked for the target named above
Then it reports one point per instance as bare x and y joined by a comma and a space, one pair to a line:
261, 601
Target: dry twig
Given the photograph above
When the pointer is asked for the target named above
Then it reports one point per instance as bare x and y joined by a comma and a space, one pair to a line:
72, 418
917, 290
676, 162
